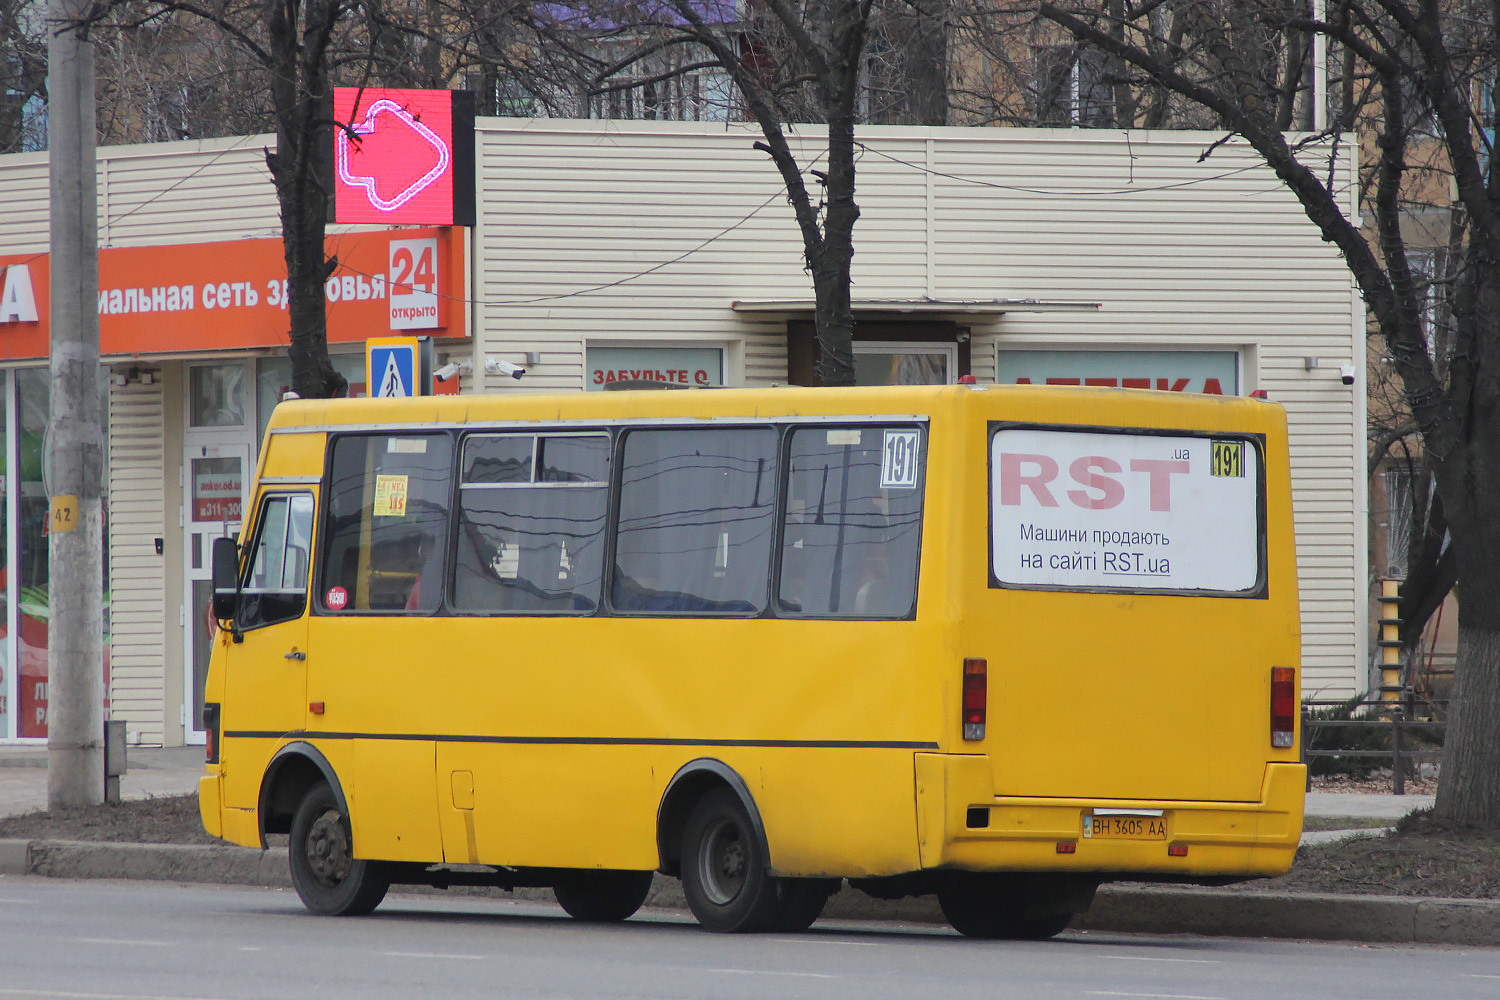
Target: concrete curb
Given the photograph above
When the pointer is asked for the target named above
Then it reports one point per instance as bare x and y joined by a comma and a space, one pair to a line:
1236, 913
166, 862
1144, 909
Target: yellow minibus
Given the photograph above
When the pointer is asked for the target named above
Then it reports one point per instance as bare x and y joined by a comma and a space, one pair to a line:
996, 643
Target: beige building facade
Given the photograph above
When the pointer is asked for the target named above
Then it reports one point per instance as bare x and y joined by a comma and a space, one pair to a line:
612, 251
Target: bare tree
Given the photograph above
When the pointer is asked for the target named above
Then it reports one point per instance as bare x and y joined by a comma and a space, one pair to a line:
788, 61
298, 46
1433, 82
23, 75
906, 65
174, 78
1409, 520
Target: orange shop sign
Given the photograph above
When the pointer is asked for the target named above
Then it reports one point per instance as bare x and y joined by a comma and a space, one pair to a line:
206, 296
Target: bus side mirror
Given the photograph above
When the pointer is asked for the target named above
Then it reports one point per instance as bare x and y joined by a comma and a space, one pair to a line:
226, 578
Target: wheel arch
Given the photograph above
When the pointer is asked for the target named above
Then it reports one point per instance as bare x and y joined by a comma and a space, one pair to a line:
292, 770
692, 781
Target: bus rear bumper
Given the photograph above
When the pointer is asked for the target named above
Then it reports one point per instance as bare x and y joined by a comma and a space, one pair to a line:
961, 824
238, 826
209, 805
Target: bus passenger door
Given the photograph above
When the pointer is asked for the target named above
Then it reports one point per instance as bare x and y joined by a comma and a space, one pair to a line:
265, 689
375, 687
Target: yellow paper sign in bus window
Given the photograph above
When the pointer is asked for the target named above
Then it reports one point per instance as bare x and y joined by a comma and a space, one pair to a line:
390, 496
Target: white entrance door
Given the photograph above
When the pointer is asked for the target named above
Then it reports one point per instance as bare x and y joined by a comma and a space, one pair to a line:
216, 481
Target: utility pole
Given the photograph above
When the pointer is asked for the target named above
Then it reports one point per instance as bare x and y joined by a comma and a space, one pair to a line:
75, 449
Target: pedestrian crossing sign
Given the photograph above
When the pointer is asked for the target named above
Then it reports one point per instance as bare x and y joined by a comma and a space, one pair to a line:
397, 367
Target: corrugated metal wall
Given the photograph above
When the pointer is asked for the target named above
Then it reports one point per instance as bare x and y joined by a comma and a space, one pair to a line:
646, 232
138, 598
160, 193
596, 232
181, 192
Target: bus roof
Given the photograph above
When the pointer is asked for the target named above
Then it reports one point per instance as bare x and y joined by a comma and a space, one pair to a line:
1026, 403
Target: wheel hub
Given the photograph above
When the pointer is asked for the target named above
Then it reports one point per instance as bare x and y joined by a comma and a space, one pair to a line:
328, 849
724, 864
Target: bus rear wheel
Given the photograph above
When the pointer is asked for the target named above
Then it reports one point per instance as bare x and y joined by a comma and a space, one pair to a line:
725, 875
995, 906
602, 896
330, 880
802, 902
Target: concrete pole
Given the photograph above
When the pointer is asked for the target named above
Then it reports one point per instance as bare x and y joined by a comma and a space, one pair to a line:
1320, 71
75, 445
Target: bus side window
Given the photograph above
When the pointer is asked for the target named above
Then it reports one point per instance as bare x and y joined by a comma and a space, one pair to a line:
388, 503
531, 516
696, 521
850, 544
275, 587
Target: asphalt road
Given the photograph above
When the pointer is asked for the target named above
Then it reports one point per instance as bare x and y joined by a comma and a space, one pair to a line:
101, 940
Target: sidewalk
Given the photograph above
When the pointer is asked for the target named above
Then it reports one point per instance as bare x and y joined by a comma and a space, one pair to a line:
152, 771
1146, 909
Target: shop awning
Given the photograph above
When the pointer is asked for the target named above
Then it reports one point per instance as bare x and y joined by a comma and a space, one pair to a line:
966, 310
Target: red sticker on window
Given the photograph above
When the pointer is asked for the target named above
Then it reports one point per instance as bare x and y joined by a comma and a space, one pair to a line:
336, 599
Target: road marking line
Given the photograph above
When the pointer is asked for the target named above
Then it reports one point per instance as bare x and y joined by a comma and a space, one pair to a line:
1153, 958
433, 954
60, 995
1150, 996
772, 972
847, 944
1478, 975
124, 941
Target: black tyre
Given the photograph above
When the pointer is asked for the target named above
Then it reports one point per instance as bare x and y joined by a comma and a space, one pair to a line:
330, 880
802, 902
602, 896
994, 906
725, 876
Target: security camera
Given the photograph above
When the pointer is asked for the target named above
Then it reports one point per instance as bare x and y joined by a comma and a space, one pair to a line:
497, 367
451, 369
1346, 374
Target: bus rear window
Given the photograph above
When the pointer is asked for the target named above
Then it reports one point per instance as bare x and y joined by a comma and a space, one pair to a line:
1133, 511
853, 522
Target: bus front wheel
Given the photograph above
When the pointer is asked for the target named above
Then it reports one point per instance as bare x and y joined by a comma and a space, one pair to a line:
330, 880
725, 876
602, 896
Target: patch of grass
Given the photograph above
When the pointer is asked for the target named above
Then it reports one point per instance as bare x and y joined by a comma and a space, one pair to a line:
1421, 857
1317, 824
167, 819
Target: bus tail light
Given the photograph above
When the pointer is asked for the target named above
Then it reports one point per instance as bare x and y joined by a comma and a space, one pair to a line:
975, 698
1283, 706
211, 732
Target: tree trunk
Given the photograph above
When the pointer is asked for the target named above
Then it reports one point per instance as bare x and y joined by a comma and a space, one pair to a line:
834, 313
1466, 468
1469, 791
926, 62
300, 96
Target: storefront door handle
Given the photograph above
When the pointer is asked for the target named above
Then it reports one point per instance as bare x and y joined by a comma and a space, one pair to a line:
296, 654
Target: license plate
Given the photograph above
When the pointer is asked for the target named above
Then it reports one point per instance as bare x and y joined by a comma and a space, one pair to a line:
1125, 827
